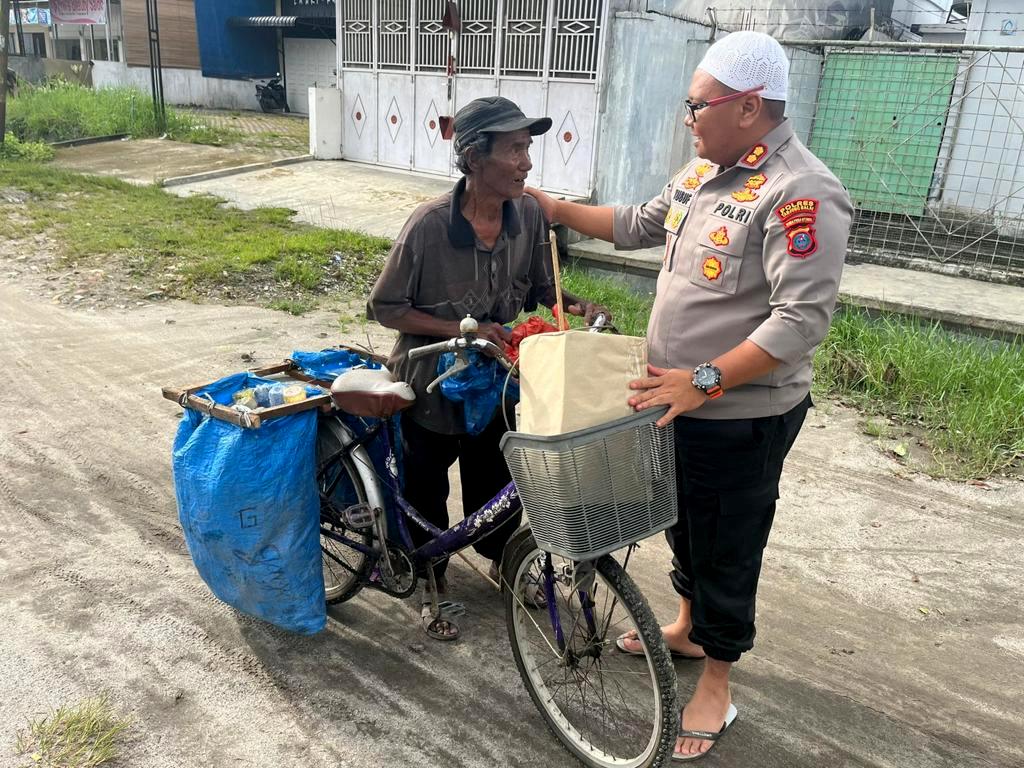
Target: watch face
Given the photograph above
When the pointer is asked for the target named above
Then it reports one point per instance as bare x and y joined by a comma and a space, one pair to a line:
705, 377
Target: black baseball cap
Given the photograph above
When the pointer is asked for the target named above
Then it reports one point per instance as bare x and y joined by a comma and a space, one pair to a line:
495, 114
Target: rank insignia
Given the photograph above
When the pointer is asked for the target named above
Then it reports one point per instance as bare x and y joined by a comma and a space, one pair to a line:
801, 242
744, 195
711, 268
719, 236
754, 156
691, 182
702, 169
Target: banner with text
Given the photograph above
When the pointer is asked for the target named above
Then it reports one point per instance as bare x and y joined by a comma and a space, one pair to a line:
78, 11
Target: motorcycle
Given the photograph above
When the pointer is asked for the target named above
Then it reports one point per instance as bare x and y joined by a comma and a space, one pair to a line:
271, 95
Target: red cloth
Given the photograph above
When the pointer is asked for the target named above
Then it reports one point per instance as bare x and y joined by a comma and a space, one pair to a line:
528, 327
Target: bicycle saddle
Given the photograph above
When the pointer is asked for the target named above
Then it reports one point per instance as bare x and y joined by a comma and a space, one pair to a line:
371, 393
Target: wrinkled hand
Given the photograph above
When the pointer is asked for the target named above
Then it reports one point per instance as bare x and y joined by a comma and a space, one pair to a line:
588, 310
494, 333
546, 202
667, 386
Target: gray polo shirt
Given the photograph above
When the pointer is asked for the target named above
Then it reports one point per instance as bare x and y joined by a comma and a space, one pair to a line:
753, 252
438, 266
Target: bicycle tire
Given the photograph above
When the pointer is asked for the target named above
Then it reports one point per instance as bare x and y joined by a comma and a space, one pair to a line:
651, 749
339, 584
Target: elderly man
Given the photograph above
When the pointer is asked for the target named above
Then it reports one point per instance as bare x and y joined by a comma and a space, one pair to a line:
480, 250
755, 232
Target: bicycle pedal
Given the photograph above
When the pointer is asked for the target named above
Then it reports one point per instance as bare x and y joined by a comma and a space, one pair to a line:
358, 516
447, 609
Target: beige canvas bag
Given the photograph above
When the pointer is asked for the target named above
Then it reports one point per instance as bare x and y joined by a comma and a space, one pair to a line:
572, 380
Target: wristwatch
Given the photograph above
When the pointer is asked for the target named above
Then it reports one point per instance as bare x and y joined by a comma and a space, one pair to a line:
708, 379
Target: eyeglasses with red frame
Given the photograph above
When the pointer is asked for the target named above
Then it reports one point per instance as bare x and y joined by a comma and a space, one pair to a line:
692, 109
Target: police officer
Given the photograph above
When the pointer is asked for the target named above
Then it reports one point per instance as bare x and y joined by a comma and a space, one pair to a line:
755, 232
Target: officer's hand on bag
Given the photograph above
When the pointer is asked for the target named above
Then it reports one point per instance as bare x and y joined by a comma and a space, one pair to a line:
667, 386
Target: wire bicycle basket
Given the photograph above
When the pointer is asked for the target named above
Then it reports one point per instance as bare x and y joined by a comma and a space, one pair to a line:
590, 492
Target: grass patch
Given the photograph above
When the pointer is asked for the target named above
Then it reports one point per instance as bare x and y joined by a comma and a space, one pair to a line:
293, 306
61, 111
14, 148
966, 394
191, 247
79, 736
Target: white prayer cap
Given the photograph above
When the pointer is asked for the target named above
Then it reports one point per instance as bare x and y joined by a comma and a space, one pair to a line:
744, 60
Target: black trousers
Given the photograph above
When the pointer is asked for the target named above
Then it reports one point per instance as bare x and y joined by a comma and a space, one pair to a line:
728, 481
483, 472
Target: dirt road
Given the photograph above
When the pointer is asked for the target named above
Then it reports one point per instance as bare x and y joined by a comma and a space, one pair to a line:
891, 619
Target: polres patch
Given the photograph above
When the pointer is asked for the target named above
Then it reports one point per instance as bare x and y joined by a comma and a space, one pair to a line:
801, 242
799, 209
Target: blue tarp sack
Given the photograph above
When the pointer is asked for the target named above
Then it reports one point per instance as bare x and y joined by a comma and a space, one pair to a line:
328, 364
478, 387
250, 509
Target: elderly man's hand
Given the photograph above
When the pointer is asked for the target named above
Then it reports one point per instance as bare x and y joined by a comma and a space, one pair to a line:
667, 386
589, 312
546, 202
494, 333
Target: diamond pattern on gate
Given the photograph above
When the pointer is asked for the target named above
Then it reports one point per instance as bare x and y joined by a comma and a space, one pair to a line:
432, 124
567, 138
394, 119
358, 116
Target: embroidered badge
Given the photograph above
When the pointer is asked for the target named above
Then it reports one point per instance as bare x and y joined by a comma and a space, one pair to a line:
674, 218
691, 182
805, 208
747, 194
702, 169
756, 181
753, 157
719, 236
711, 268
801, 242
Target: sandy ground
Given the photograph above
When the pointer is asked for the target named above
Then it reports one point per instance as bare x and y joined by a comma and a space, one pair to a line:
891, 619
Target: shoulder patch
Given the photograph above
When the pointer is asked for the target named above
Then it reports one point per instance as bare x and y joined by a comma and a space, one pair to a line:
804, 207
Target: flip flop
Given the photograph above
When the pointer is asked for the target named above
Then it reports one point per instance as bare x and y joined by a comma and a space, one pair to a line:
730, 717
620, 643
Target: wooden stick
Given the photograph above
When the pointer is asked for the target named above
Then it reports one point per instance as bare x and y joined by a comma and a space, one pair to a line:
563, 323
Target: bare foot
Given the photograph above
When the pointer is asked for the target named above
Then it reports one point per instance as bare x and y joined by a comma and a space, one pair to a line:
677, 642
706, 711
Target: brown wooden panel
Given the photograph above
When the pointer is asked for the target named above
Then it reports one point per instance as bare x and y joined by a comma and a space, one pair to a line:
179, 42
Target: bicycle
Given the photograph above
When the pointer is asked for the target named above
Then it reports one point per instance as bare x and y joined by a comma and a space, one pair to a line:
603, 707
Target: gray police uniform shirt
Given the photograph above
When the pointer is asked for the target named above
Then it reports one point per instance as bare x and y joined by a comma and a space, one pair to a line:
753, 252
439, 267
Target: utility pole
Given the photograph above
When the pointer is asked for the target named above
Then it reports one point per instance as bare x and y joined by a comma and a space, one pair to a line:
5, 30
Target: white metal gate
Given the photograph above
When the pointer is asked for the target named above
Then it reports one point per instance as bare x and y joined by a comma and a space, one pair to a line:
545, 55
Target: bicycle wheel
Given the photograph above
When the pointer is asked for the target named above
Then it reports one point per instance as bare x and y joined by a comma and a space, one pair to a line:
607, 708
345, 568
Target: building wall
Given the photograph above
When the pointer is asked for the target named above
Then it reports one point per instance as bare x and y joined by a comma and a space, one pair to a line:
643, 139
179, 45
911, 12
181, 86
986, 161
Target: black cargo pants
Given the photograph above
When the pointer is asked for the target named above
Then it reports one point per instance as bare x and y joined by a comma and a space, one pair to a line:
728, 481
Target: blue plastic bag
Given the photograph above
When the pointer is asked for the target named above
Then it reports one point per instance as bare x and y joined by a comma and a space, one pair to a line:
250, 509
328, 364
478, 387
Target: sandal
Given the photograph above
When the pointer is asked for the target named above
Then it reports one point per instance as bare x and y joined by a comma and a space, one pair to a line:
436, 623
533, 598
625, 637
